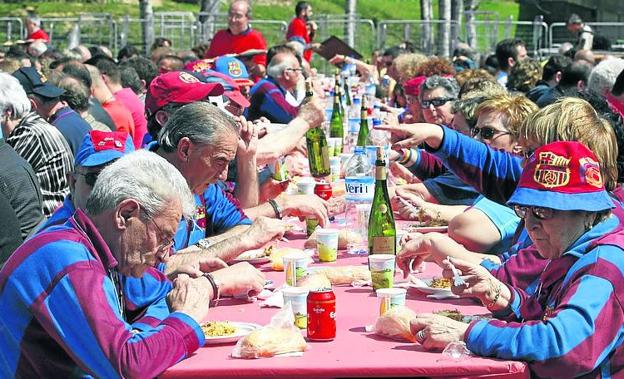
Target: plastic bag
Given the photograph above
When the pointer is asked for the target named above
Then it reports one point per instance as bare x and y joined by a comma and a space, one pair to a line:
395, 324
281, 336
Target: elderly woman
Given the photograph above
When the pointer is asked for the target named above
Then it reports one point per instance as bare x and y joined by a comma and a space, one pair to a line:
437, 95
566, 209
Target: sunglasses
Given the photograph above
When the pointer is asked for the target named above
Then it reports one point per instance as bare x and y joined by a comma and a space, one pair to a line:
424, 104
89, 177
487, 133
539, 213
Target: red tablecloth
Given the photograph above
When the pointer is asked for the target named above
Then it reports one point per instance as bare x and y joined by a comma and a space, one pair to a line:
354, 352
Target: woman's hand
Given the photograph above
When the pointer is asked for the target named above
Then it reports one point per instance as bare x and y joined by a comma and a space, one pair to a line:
434, 332
479, 282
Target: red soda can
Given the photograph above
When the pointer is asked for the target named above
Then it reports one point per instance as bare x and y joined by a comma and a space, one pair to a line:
323, 190
321, 315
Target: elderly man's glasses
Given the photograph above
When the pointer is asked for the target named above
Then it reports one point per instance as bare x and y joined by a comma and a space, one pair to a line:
294, 69
166, 243
424, 104
487, 132
89, 177
539, 213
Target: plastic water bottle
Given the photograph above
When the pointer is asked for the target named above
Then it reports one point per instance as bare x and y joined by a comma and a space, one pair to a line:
359, 185
354, 123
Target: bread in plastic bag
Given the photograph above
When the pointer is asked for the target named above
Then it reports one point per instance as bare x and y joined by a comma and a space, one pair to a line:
314, 281
281, 336
346, 274
395, 324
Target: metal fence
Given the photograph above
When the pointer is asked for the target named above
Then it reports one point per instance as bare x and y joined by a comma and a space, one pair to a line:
188, 29
611, 33
11, 29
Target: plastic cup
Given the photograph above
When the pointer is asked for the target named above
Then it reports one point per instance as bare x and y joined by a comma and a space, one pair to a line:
306, 186
297, 297
295, 267
382, 270
389, 298
337, 143
334, 166
327, 244
331, 147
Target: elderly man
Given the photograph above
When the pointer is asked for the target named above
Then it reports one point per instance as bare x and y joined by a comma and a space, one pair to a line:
240, 37
268, 96
62, 291
33, 28
45, 100
38, 142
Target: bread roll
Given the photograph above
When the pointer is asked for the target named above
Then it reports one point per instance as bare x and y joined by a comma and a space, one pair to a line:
346, 274
270, 341
314, 282
395, 324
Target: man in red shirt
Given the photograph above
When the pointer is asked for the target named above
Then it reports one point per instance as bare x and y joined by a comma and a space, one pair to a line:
238, 38
33, 27
301, 29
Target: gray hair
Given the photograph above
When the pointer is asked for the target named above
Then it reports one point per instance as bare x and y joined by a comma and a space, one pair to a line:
276, 68
436, 81
201, 122
13, 97
34, 19
603, 76
145, 177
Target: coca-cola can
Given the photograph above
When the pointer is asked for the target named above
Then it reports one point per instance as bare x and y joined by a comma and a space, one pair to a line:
323, 190
321, 315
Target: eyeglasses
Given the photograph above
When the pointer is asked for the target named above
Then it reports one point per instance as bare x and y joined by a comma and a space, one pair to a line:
294, 69
89, 177
424, 104
487, 132
539, 213
166, 243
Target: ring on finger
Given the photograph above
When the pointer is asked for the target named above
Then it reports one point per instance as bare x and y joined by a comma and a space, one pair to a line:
420, 336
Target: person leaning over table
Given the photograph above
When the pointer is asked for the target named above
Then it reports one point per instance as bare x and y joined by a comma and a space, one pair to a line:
572, 325
63, 314
496, 173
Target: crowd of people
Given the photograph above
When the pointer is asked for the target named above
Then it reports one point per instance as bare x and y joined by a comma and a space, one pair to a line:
131, 182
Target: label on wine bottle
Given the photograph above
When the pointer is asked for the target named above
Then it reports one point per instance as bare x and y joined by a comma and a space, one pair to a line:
383, 245
359, 188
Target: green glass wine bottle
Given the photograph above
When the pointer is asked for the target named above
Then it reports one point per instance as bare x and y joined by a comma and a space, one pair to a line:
381, 226
363, 139
336, 127
316, 142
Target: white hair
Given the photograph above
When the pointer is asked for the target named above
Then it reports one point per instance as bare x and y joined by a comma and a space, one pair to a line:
276, 68
35, 20
145, 177
37, 48
603, 76
13, 97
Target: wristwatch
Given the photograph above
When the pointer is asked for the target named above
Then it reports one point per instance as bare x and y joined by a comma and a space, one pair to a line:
203, 243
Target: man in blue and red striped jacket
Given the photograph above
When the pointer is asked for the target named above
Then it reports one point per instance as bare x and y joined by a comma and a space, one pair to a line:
60, 292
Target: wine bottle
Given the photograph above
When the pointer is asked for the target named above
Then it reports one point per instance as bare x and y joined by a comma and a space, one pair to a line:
316, 142
381, 227
363, 139
336, 127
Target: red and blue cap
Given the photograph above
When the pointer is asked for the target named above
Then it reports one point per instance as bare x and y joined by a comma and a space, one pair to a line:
564, 176
99, 147
231, 89
233, 68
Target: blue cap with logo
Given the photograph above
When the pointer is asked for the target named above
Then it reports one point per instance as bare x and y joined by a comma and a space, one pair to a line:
233, 68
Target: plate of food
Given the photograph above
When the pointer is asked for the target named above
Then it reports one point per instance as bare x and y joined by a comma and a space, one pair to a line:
427, 227
255, 256
456, 315
434, 286
222, 332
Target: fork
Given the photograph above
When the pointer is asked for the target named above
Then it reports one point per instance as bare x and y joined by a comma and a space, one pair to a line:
457, 279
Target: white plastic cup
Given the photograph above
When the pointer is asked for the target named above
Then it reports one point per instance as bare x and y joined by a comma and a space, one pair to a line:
297, 297
334, 166
389, 298
382, 270
327, 244
295, 267
306, 186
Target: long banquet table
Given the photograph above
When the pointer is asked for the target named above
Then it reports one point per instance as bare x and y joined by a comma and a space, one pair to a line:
354, 352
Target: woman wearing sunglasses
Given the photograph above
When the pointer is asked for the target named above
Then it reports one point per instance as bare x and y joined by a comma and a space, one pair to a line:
571, 325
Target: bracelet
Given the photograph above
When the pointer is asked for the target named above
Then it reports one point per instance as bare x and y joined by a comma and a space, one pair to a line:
407, 154
497, 293
276, 208
215, 288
